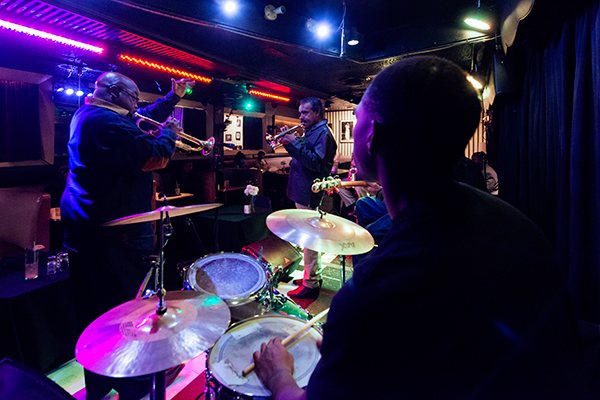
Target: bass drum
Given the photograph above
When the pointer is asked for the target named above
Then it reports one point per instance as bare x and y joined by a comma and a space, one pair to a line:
239, 280
232, 353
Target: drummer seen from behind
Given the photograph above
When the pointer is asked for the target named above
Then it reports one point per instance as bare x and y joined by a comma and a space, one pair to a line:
110, 176
312, 158
429, 314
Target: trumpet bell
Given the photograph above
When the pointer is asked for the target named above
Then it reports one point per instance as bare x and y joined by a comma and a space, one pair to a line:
196, 144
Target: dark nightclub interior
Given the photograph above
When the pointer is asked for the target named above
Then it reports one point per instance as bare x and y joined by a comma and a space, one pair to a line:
231, 242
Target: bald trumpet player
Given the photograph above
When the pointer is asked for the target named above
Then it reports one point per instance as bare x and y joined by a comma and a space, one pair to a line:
110, 176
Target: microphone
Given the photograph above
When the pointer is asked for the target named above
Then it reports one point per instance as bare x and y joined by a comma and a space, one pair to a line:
229, 145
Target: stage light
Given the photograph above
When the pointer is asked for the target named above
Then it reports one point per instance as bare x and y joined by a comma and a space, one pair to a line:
79, 93
230, 7
322, 30
49, 36
477, 24
160, 67
271, 12
60, 89
188, 90
69, 91
474, 82
353, 37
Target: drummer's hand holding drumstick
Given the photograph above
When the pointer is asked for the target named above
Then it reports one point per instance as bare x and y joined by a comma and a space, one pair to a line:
275, 369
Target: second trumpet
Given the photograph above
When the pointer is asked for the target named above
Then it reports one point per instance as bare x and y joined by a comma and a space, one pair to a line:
196, 144
275, 140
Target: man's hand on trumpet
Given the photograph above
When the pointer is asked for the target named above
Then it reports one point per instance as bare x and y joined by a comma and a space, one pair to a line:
172, 124
286, 139
178, 87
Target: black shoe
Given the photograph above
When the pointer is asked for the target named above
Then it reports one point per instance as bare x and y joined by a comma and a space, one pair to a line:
302, 292
298, 282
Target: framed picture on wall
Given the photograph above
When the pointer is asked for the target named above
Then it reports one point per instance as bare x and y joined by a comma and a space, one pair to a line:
346, 131
228, 137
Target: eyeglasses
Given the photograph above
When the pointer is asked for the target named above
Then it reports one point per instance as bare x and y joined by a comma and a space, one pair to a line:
134, 98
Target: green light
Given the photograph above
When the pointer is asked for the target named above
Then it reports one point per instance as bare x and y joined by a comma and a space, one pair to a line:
188, 90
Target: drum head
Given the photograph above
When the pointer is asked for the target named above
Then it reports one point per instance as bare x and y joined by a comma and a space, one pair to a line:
235, 278
233, 352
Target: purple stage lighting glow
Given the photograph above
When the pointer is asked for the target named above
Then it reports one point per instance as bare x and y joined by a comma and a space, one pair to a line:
49, 36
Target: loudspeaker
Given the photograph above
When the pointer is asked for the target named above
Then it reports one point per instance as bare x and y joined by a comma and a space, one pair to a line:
504, 76
19, 382
276, 252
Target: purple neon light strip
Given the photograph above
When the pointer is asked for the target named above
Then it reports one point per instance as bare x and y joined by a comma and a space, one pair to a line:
49, 36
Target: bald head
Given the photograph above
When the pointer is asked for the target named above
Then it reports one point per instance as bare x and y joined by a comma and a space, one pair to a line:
427, 105
117, 89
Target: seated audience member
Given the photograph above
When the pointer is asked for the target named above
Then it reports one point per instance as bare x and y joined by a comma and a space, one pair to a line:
463, 298
186, 179
490, 176
466, 171
263, 165
239, 161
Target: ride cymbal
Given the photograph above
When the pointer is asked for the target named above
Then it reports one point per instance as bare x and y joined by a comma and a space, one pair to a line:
132, 340
328, 233
155, 214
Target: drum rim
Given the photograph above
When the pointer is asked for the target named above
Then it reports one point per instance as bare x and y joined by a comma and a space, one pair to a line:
231, 301
210, 352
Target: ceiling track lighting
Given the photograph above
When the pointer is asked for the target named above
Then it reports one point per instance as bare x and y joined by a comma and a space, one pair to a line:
271, 12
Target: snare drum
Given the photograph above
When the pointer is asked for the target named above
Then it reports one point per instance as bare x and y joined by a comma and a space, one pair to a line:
238, 279
233, 353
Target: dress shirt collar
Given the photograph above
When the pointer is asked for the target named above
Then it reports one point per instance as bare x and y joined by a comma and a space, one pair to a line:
94, 101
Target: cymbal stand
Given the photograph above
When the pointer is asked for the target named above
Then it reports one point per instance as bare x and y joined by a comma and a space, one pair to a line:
343, 267
158, 389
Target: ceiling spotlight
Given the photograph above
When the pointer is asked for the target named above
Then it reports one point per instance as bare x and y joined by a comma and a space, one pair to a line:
478, 24
230, 7
271, 12
322, 30
353, 37
79, 93
474, 82
69, 91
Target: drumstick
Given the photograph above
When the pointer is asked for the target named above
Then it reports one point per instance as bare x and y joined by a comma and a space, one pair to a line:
291, 337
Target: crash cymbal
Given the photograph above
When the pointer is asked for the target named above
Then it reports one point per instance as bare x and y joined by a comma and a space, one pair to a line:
132, 340
330, 234
155, 215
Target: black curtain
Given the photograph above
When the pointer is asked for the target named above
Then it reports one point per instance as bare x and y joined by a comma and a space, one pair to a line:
549, 150
19, 122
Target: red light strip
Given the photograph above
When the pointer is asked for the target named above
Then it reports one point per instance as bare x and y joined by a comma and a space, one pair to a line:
160, 67
49, 36
270, 96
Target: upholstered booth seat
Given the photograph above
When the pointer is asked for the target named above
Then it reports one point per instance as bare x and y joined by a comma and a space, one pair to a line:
24, 220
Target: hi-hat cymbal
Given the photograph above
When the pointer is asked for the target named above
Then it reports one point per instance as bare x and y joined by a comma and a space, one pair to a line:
330, 234
155, 215
132, 340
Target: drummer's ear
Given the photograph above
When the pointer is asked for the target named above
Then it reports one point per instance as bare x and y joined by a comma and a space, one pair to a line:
376, 137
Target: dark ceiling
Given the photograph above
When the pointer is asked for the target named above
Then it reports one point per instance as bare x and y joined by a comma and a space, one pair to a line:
280, 56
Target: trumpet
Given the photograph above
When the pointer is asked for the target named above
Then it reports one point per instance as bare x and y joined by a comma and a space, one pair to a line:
204, 145
274, 140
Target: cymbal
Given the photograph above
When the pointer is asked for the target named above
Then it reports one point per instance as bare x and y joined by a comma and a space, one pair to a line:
132, 340
155, 215
330, 234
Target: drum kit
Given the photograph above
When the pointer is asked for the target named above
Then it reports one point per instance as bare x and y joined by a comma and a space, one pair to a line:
147, 336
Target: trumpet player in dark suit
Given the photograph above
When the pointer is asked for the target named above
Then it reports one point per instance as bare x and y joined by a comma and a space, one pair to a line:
312, 158
110, 176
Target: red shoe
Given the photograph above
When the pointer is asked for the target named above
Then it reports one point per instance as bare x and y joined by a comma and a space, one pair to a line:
302, 292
